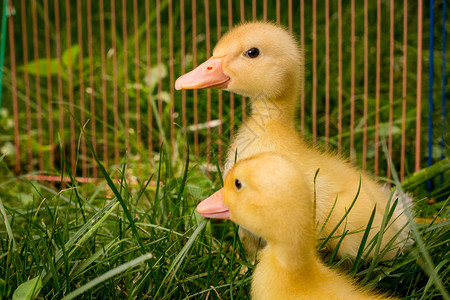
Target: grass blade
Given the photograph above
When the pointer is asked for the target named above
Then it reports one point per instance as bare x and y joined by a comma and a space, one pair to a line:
85, 228
342, 219
122, 268
428, 267
181, 255
364, 240
7, 225
113, 187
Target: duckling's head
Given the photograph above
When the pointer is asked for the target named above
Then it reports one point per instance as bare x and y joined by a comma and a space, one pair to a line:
257, 60
267, 195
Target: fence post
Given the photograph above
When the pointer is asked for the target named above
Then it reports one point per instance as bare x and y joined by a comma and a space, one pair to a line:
2, 47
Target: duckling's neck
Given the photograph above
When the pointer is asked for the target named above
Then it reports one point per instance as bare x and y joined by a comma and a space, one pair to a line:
284, 272
281, 109
295, 257
293, 249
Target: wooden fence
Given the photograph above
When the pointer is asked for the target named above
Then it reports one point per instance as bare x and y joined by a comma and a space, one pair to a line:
111, 66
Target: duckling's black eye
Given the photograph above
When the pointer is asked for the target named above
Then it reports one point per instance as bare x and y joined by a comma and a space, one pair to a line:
237, 184
252, 53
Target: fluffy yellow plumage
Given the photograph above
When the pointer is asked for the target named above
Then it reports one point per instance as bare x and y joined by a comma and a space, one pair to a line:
272, 82
270, 199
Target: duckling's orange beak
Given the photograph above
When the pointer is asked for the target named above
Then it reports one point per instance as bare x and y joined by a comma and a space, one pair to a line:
208, 75
214, 207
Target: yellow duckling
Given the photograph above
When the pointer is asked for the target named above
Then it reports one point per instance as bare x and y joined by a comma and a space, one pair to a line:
269, 195
262, 61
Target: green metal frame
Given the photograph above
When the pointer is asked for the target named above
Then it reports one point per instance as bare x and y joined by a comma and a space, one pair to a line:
2, 46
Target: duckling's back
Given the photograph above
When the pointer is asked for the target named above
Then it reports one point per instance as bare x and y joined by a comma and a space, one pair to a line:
337, 181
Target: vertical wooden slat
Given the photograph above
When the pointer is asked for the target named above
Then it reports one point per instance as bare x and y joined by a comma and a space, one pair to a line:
244, 100
27, 85
91, 84
366, 81
104, 95
391, 83
208, 92
302, 46
38, 86
81, 79
60, 87
172, 80
377, 87
73, 140
339, 76
279, 12
352, 81
49, 85
194, 59
230, 25
254, 10
327, 72
137, 76
290, 26
404, 91
265, 10
149, 67
314, 74
220, 96
12, 53
159, 60
115, 87
125, 72
183, 62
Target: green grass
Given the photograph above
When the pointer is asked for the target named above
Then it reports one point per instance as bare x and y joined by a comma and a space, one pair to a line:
121, 239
